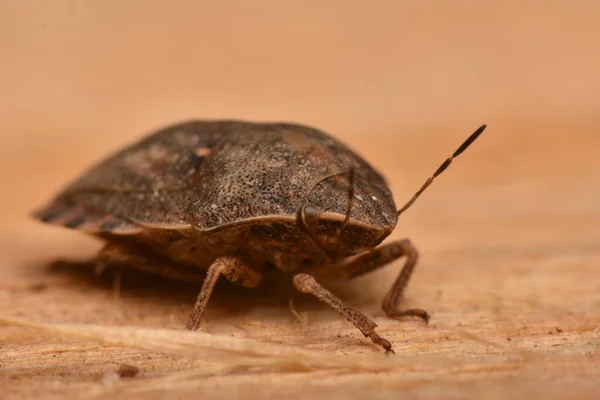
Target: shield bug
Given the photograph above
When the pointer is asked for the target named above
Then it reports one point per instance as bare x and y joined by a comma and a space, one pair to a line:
204, 199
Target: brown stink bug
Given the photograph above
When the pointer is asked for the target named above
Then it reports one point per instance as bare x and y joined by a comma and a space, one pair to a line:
205, 199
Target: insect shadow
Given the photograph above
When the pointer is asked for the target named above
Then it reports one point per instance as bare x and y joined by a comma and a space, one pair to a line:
136, 286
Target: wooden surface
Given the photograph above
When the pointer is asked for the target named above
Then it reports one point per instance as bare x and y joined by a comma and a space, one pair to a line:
508, 236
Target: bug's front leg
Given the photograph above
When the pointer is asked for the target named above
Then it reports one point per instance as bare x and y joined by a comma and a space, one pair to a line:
307, 284
377, 258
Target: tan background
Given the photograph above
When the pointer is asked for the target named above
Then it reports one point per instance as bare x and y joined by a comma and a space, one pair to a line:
508, 236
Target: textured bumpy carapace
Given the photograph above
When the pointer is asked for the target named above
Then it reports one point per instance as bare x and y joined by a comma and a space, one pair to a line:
204, 199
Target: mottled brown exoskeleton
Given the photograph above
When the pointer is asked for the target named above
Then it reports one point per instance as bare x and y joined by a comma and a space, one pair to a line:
204, 199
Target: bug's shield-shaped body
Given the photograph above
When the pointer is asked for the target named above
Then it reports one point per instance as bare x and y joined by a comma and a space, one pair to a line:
231, 197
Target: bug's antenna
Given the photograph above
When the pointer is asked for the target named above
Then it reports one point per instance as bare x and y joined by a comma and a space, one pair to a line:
350, 197
443, 167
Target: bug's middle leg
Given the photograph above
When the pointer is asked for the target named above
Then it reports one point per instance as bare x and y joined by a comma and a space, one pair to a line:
375, 259
233, 270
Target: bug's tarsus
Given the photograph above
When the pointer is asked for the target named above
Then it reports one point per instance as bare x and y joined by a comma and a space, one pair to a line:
443, 167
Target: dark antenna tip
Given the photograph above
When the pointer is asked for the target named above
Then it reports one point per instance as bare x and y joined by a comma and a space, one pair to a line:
443, 167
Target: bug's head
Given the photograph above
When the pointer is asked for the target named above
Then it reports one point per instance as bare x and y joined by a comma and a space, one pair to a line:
347, 214
346, 220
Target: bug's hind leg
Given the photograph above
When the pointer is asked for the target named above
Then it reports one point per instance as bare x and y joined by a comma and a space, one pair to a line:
380, 257
234, 271
307, 284
147, 261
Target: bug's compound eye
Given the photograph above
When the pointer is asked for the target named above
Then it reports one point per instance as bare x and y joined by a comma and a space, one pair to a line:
309, 216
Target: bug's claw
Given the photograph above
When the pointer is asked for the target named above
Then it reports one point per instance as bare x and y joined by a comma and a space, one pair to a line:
387, 346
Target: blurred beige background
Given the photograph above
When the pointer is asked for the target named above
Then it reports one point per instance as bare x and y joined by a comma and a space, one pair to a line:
516, 219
